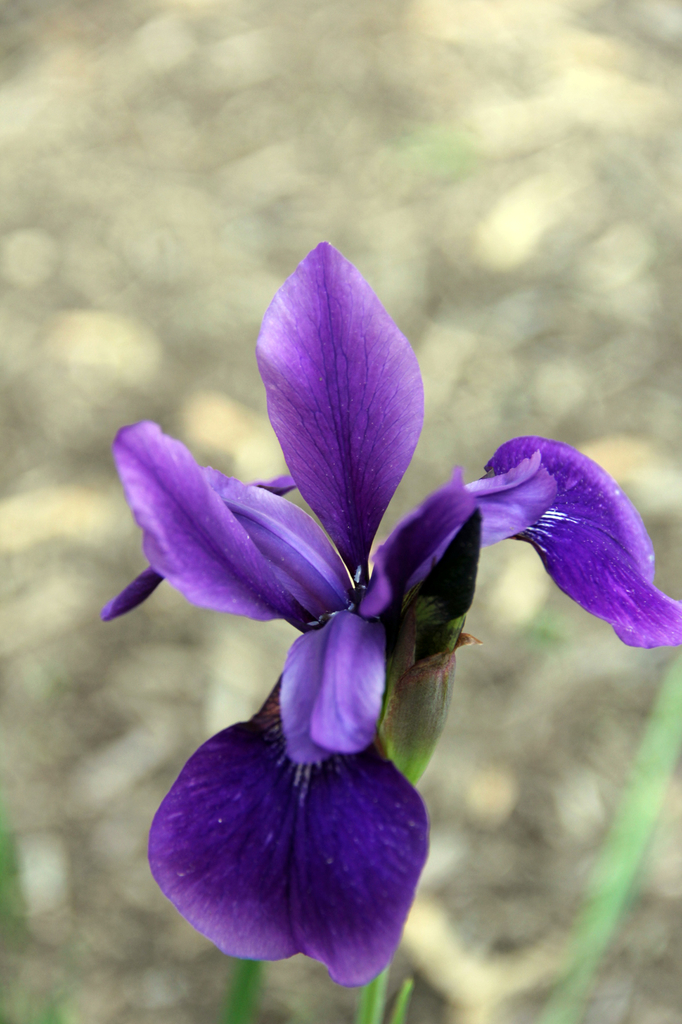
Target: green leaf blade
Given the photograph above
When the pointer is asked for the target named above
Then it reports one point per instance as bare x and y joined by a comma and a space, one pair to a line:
614, 880
402, 1002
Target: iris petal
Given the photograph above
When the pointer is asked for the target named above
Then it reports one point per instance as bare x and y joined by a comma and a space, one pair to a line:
267, 858
516, 499
344, 396
332, 687
594, 545
291, 540
415, 545
190, 537
277, 484
135, 593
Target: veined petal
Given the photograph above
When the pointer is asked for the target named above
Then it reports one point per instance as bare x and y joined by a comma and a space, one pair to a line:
135, 593
332, 687
344, 396
514, 500
594, 545
190, 536
415, 545
300, 554
268, 858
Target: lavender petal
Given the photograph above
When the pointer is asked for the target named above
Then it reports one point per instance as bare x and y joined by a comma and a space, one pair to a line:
190, 537
135, 593
594, 545
332, 687
267, 858
415, 545
516, 499
344, 396
277, 485
298, 551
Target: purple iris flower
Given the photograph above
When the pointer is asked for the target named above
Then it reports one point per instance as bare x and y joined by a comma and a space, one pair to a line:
292, 833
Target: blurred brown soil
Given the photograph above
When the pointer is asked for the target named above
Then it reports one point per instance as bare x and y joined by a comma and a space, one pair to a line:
507, 175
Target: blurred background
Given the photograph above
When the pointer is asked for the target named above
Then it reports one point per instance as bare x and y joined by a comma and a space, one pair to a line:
507, 174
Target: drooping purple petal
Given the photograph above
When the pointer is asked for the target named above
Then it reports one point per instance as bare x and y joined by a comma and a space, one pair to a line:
135, 593
268, 858
332, 687
278, 485
594, 545
190, 536
344, 396
516, 499
297, 549
415, 545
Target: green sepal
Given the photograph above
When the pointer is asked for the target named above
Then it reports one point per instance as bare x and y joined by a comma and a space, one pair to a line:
415, 713
421, 671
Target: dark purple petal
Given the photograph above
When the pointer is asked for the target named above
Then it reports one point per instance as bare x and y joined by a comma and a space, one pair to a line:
516, 499
332, 686
190, 536
278, 485
135, 593
268, 858
594, 545
344, 395
297, 549
415, 546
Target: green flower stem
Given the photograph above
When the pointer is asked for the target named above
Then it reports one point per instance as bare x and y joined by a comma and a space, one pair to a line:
12, 921
402, 1002
241, 1004
373, 1000
613, 883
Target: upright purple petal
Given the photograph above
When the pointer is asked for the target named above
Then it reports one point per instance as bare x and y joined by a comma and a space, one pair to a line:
190, 536
297, 549
416, 544
344, 395
332, 687
516, 499
594, 545
268, 858
135, 593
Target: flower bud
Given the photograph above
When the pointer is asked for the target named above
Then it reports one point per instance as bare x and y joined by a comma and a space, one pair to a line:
421, 671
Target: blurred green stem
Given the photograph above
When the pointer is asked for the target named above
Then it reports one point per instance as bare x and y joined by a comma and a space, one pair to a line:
11, 917
373, 1000
402, 1001
242, 998
614, 877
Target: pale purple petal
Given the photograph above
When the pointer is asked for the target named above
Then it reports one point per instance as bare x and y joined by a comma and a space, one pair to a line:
516, 499
268, 859
278, 485
594, 545
295, 546
415, 545
344, 396
190, 536
332, 687
135, 593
